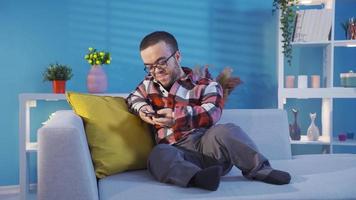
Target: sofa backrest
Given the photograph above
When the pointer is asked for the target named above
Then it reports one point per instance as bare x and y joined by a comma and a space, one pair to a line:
268, 128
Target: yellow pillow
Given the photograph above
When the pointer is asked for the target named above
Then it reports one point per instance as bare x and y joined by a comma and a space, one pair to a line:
118, 140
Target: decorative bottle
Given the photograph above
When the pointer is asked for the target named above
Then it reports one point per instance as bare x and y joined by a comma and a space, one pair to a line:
294, 129
313, 130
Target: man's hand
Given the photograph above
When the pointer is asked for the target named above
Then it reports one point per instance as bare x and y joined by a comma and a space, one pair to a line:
163, 117
166, 118
143, 113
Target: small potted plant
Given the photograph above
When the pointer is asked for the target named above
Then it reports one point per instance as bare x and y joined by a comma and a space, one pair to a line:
97, 80
58, 74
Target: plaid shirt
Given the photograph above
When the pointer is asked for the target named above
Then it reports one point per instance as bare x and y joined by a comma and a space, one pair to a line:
196, 104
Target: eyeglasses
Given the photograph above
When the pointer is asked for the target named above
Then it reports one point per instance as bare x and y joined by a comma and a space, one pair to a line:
160, 64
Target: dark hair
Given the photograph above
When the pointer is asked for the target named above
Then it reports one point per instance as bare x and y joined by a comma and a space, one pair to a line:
158, 36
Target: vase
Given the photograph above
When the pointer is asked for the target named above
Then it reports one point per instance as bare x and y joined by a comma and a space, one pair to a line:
294, 129
59, 86
313, 130
97, 80
289, 81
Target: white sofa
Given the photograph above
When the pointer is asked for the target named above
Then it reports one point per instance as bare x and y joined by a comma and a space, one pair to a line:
65, 169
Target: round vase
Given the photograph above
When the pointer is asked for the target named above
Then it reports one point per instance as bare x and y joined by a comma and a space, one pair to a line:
59, 86
97, 80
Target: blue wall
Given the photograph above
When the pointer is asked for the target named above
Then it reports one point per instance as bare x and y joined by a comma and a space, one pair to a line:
236, 33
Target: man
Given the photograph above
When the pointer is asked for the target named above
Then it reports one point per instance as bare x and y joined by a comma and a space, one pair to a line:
191, 150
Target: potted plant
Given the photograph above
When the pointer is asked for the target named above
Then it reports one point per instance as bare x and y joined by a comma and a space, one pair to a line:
227, 81
288, 10
97, 80
58, 74
225, 78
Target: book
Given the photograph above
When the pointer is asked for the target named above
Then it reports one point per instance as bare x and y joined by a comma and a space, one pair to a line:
298, 26
312, 25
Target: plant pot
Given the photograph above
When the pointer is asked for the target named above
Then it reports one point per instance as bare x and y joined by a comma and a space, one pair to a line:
97, 80
59, 86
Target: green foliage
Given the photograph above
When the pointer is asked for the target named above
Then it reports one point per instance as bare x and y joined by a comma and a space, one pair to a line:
57, 72
95, 57
288, 10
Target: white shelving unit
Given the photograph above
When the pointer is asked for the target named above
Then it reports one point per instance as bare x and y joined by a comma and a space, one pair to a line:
26, 102
326, 94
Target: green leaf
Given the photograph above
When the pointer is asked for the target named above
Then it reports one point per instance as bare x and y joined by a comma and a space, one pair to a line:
57, 72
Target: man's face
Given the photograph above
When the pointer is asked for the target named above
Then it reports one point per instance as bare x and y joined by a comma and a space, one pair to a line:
164, 63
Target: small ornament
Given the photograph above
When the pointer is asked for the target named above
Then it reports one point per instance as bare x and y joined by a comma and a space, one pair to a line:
313, 131
294, 129
342, 137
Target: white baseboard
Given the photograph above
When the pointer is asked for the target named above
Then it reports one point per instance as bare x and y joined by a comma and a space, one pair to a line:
9, 189
14, 189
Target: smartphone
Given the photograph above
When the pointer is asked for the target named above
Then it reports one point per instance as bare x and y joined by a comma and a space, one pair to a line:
152, 114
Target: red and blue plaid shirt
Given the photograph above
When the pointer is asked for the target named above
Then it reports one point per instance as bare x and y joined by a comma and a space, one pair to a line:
196, 104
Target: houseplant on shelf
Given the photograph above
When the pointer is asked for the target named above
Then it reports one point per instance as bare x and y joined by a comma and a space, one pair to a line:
288, 10
97, 79
58, 74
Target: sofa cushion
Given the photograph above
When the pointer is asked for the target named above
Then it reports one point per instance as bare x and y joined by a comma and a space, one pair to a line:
326, 176
118, 140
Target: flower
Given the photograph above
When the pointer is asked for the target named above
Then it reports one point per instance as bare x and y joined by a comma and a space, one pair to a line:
95, 57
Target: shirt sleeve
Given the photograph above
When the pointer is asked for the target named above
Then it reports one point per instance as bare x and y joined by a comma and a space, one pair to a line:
203, 116
138, 97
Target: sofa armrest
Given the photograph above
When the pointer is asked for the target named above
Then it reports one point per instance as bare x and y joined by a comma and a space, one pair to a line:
65, 168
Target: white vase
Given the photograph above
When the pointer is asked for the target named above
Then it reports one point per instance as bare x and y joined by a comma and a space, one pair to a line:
313, 131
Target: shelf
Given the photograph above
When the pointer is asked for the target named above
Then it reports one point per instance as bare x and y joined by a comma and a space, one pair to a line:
54, 97
328, 76
347, 142
32, 147
41, 96
337, 43
311, 44
313, 2
323, 140
345, 43
306, 93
